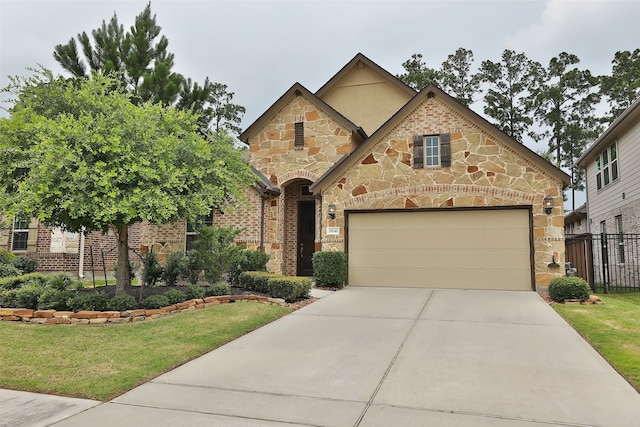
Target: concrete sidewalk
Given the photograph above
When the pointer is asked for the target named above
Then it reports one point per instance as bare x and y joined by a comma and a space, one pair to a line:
391, 357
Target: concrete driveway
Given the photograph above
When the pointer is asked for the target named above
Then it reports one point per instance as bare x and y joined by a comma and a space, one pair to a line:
391, 357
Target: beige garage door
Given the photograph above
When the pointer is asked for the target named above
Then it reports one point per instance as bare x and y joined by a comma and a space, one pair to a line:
461, 249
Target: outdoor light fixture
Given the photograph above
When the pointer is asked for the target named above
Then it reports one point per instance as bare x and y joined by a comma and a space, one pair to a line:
331, 210
548, 205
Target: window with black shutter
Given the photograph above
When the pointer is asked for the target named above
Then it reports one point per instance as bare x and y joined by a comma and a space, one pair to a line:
299, 135
431, 151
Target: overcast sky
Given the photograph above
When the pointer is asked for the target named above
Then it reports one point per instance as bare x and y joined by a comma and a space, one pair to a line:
259, 49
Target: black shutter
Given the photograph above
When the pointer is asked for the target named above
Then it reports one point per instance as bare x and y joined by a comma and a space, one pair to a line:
418, 152
445, 150
299, 135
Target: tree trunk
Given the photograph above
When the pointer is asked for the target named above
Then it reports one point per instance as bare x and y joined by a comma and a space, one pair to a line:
123, 278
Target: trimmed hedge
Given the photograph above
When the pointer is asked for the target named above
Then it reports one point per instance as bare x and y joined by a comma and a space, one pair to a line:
289, 288
175, 296
155, 301
94, 301
8, 270
330, 269
562, 288
256, 280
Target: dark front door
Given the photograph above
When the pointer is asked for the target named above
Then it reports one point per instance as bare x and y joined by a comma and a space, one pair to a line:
306, 237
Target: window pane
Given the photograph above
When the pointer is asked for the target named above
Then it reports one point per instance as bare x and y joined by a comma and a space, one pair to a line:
599, 180
20, 223
614, 170
613, 150
605, 158
598, 164
20, 241
606, 175
431, 147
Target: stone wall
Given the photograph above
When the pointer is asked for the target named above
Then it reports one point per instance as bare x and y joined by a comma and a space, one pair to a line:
272, 151
483, 172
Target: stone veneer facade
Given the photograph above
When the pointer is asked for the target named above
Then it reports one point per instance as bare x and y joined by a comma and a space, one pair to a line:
272, 151
483, 172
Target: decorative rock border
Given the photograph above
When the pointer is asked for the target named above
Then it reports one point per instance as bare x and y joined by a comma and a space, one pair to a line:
53, 317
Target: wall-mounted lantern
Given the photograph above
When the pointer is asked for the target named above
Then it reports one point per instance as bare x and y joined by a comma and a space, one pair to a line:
548, 205
331, 210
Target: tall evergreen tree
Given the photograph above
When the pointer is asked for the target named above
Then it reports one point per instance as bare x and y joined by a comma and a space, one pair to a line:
418, 75
457, 79
564, 102
143, 65
622, 87
508, 83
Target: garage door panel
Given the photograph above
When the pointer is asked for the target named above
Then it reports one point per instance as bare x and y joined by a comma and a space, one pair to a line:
478, 249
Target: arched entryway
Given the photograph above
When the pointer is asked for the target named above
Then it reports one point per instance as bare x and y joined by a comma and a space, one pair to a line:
299, 228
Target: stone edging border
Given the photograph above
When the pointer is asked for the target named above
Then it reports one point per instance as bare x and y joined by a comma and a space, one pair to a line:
53, 317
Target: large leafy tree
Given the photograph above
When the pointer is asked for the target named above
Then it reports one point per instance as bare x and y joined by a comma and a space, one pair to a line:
564, 102
508, 84
80, 155
143, 65
622, 87
457, 79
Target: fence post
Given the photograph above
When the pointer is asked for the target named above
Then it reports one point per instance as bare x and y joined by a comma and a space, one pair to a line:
605, 261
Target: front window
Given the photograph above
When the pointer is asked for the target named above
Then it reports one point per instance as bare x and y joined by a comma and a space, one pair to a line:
192, 228
20, 233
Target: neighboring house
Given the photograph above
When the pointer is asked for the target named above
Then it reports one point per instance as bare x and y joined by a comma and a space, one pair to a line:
612, 166
575, 222
416, 188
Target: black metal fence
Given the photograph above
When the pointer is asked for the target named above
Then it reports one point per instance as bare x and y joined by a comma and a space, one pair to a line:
608, 262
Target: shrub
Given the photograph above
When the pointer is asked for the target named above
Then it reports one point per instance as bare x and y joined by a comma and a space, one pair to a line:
25, 264
151, 269
218, 290
175, 265
256, 280
8, 298
175, 296
122, 303
194, 292
8, 270
215, 251
6, 257
15, 282
59, 282
192, 267
96, 301
289, 288
55, 299
330, 269
28, 295
562, 288
155, 301
248, 260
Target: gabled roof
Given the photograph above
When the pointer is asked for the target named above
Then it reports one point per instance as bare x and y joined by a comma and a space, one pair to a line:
428, 92
372, 65
298, 90
629, 117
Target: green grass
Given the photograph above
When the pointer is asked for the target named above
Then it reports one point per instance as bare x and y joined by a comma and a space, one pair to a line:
613, 329
103, 361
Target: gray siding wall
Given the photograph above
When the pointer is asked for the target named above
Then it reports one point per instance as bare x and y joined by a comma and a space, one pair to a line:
620, 197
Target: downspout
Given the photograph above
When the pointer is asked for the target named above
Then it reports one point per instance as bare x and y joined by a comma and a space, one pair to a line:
261, 247
81, 260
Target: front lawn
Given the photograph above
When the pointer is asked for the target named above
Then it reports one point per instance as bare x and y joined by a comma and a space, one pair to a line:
103, 361
613, 329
